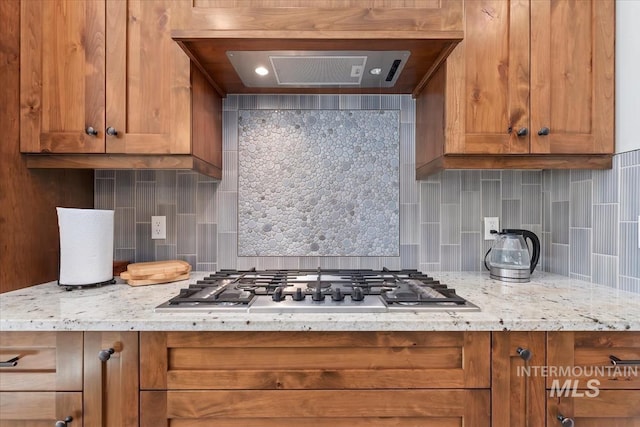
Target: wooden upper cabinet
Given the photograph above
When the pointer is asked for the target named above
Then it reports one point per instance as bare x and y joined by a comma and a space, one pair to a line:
530, 86
105, 77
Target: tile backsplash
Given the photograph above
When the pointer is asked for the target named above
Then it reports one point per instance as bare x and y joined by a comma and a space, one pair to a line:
585, 219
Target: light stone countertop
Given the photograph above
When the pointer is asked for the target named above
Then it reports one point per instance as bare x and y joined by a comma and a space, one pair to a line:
548, 303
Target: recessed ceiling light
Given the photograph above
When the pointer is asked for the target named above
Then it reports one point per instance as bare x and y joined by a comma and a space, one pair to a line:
262, 71
375, 71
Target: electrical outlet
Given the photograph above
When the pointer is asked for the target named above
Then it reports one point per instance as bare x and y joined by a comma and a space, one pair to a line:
491, 223
158, 227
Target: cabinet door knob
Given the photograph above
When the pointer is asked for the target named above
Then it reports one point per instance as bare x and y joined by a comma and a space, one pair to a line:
112, 131
544, 131
91, 131
524, 353
564, 421
105, 354
522, 132
64, 423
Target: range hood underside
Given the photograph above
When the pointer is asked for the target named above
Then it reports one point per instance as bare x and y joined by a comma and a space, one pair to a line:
208, 50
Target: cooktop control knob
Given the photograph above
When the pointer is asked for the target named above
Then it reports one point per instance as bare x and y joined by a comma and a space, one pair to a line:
317, 294
298, 295
357, 294
337, 295
277, 294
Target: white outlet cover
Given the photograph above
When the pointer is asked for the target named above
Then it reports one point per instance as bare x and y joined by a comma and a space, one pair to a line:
158, 227
491, 223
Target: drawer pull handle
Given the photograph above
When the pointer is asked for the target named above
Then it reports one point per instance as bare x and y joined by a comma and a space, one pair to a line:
564, 421
112, 131
524, 353
9, 363
544, 131
616, 361
105, 355
91, 131
64, 423
522, 132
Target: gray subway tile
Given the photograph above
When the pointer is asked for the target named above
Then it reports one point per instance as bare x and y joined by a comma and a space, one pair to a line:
391, 102
186, 234
166, 186
511, 184
430, 243
532, 177
471, 219
207, 243
629, 284
429, 202
309, 262
546, 180
230, 103
371, 262
546, 251
560, 187
511, 214
186, 193
229, 171
309, 102
580, 175
605, 229
409, 187
124, 228
409, 223
470, 180
630, 193
104, 173
430, 268
245, 263
125, 255
407, 109
471, 252
581, 204
409, 255
605, 186
559, 259
207, 266
450, 257
370, 102
268, 102
191, 259
125, 189
227, 250
531, 204
350, 102
166, 252
145, 201
230, 131
104, 194
450, 224
604, 270
145, 248
407, 146
546, 211
247, 102
145, 175
228, 212
580, 251
560, 222
491, 174
491, 200
331, 262
629, 251
450, 186
289, 102
329, 102
206, 203
629, 158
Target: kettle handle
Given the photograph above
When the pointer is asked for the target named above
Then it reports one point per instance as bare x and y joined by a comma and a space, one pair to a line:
535, 245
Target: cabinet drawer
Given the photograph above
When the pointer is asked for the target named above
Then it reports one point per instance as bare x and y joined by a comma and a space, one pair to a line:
318, 408
314, 360
46, 361
611, 408
36, 409
584, 356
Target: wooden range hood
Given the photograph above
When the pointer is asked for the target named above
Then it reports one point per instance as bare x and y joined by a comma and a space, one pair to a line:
430, 30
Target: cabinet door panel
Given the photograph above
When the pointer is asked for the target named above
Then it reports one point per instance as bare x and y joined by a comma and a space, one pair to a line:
62, 62
147, 80
520, 397
495, 79
111, 387
39, 409
318, 408
572, 76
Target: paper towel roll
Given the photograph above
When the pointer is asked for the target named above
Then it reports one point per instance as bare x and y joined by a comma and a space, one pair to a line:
86, 246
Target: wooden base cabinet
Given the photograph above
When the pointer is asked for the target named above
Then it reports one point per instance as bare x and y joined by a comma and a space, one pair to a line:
315, 378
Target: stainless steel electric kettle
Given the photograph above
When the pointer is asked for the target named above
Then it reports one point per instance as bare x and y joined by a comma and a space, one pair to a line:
510, 259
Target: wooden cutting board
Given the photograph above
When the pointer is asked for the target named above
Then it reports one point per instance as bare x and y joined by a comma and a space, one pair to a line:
155, 272
144, 282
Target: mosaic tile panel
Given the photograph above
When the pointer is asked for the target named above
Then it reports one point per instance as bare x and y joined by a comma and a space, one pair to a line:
318, 182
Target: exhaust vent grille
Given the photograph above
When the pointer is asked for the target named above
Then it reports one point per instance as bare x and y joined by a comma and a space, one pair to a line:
318, 70
325, 69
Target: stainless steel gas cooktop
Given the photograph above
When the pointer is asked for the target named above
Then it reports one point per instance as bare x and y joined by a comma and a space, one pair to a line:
317, 291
